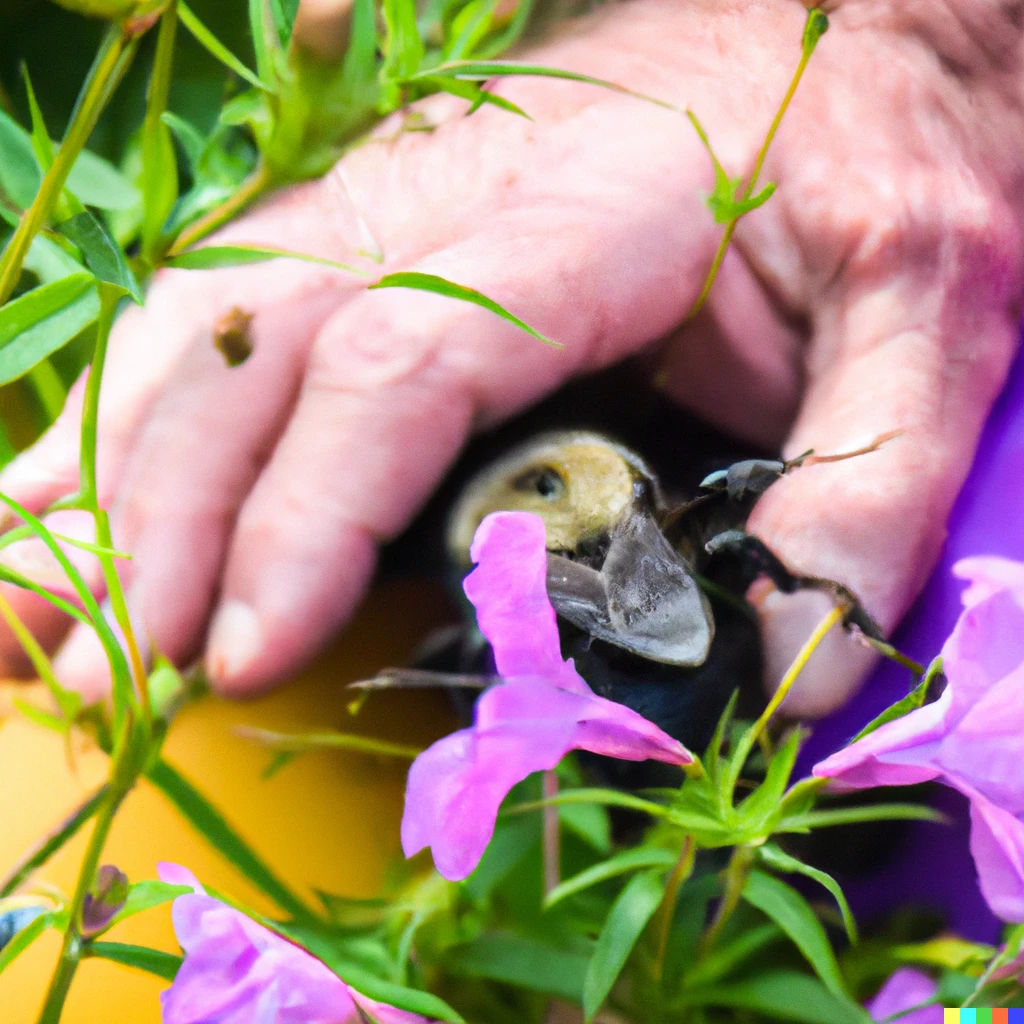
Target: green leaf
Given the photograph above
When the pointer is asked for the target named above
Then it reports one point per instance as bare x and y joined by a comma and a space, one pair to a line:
159, 182
104, 257
359, 70
758, 808
814, 29
153, 961
20, 176
24, 938
50, 261
42, 144
775, 857
481, 70
596, 795
728, 205
215, 828
441, 286
97, 182
188, 137
39, 717
265, 40
472, 92
626, 920
855, 815
43, 320
620, 864
723, 959
215, 47
284, 12
792, 913
212, 257
7, 449
781, 995
591, 823
403, 47
8, 575
366, 983
913, 700
521, 961
148, 894
299, 743
513, 839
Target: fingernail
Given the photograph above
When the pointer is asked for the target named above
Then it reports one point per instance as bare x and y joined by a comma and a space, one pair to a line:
235, 642
835, 669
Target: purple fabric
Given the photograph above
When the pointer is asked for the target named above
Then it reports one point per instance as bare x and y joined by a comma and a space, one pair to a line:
527, 723
238, 972
935, 864
905, 989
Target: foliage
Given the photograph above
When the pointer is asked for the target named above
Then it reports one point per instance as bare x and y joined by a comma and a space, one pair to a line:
699, 915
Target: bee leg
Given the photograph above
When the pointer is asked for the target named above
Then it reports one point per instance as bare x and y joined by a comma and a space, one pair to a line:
758, 559
419, 679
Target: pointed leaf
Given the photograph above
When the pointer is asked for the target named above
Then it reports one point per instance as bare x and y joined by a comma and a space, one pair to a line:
212, 257
792, 913
481, 70
781, 995
403, 47
856, 815
775, 857
41, 141
441, 286
104, 257
97, 182
23, 939
620, 864
627, 919
153, 961
523, 962
913, 700
20, 176
215, 47
43, 320
723, 959
148, 894
472, 92
215, 828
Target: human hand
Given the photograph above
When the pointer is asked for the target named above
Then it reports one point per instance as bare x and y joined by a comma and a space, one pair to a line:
878, 290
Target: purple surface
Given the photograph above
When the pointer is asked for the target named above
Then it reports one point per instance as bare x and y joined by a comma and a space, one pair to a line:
934, 866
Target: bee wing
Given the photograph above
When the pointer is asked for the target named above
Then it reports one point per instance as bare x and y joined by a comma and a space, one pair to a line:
644, 599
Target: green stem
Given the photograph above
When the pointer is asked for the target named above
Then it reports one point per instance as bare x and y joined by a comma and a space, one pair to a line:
71, 950
552, 844
735, 879
762, 155
680, 873
259, 182
111, 62
89, 494
153, 128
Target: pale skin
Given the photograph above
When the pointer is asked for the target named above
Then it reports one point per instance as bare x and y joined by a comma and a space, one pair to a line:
878, 290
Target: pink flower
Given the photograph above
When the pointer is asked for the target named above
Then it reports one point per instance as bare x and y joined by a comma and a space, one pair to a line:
238, 972
529, 722
972, 737
906, 989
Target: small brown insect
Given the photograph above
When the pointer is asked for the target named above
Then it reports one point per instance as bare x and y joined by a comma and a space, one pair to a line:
232, 336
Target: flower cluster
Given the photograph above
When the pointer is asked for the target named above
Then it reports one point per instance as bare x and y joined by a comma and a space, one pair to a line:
971, 737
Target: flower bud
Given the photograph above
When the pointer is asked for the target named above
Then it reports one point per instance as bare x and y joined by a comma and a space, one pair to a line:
106, 897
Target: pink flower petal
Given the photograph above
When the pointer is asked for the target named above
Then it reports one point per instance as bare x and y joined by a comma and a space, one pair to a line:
238, 972
997, 845
508, 588
987, 575
905, 989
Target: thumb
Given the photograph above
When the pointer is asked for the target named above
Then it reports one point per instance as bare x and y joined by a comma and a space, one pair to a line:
876, 523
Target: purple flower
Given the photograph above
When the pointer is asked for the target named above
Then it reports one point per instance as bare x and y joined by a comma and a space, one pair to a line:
238, 972
529, 722
905, 989
972, 737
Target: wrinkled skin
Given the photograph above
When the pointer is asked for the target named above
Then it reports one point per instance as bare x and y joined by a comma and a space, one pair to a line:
878, 290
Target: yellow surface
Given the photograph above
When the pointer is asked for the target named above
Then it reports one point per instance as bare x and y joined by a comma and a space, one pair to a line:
329, 820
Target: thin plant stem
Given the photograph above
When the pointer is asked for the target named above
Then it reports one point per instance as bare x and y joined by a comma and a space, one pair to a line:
111, 62
259, 182
736, 873
680, 873
762, 155
834, 617
71, 950
152, 125
89, 495
552, 843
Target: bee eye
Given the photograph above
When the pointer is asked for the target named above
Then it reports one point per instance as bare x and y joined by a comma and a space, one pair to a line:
545, 482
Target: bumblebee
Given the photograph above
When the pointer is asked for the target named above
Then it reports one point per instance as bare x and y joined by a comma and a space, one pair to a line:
648, 592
